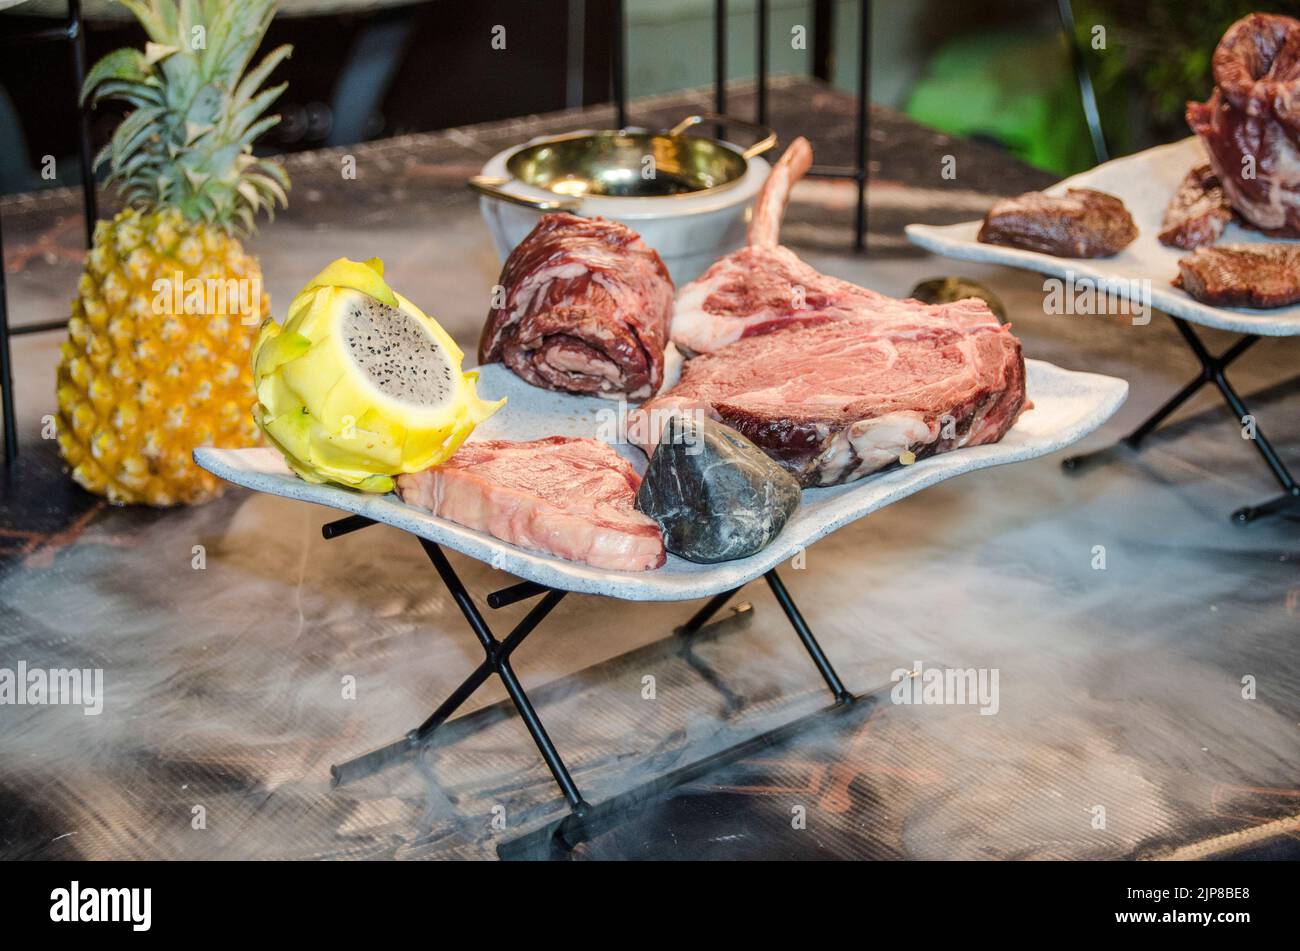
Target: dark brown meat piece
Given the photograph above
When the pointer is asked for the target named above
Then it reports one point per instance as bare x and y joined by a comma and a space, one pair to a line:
1198, 213
1242, 275
1082, 223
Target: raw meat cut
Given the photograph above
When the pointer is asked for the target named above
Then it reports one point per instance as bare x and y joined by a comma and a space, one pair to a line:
763, 286
1251, 124
568, 497
1082, 223
1242, 275
835, 401
1198, 212
586, 309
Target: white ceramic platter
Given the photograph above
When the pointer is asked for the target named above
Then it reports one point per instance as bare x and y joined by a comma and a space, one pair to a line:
1145, 181
1067, 406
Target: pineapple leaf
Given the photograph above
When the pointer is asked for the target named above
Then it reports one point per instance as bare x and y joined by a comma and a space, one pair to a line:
126, 65
256, 76
269, 186
241, 117
197, 109
154, 17
157, 52
131, 135
250, 134
137, 94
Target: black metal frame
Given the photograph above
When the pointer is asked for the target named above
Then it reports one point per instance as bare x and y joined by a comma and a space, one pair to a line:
1213, 370
72, 32
585, 820
823, 11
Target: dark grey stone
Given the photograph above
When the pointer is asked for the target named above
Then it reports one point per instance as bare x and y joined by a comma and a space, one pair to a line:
716, 495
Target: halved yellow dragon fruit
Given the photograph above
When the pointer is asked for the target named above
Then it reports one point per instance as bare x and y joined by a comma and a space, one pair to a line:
359, 385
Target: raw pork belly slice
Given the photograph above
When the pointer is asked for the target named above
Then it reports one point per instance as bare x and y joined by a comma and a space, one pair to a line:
1251, 124
586, 310
836, 401
572, 498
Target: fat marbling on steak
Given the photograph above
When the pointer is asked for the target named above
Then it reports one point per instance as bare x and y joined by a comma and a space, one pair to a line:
585, 309
1198, 212
573, 498
1242, 275
1082, 223
835, 401
1251, 124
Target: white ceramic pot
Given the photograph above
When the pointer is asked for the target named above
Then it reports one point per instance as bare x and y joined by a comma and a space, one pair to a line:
690, 231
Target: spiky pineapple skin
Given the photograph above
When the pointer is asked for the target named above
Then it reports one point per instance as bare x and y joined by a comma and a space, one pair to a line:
140, 385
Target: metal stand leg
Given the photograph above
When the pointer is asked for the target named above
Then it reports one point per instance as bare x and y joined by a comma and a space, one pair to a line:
617, 63
809, 642
7, 371
77, 34
74, 32
584, 820
1213, 370
860, 158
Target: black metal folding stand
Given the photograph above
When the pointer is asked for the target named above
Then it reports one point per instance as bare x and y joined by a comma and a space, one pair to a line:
1213, 370
585, 819
73, 33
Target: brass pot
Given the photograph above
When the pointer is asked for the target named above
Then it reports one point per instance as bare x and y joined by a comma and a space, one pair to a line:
625, 164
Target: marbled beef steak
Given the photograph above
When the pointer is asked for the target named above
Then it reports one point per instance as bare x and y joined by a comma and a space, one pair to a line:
564, 496
833, 402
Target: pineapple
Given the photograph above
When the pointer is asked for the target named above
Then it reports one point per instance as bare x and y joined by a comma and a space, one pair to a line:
157, 356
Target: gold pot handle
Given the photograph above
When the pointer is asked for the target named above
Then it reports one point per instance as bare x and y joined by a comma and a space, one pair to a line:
767, 137
487, 185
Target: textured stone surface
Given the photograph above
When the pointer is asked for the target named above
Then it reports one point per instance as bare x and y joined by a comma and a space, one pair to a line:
716, 495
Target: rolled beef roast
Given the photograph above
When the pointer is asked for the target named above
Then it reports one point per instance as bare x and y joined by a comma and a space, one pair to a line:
1251, 124
586, 310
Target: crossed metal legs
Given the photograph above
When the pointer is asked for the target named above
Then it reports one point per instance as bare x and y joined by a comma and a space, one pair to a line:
584, 820
1213, 370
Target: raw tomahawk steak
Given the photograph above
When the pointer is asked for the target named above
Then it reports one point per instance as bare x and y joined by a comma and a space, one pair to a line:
763, 286
835, 401
568, 497
586, 310
1251, 124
